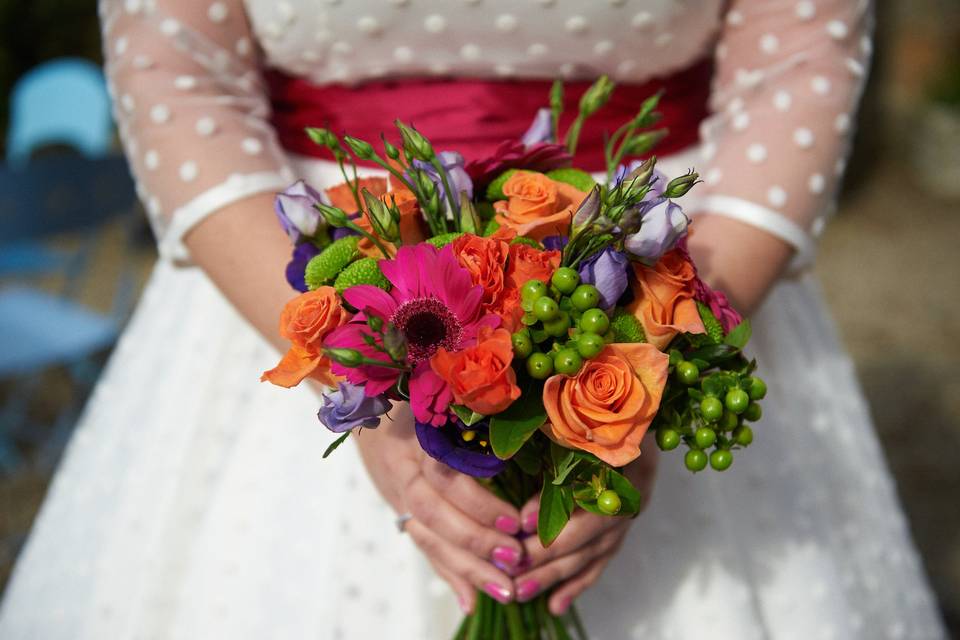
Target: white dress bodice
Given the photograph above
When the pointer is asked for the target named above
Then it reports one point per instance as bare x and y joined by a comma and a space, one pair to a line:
194, 112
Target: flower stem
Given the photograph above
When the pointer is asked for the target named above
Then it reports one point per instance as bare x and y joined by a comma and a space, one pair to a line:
454, 207
514, 621
573, 134
372, 238
350, 183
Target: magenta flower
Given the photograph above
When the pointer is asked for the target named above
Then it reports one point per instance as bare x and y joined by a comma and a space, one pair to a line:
433, 303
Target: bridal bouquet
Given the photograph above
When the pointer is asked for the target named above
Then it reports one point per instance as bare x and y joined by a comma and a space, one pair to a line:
538, 322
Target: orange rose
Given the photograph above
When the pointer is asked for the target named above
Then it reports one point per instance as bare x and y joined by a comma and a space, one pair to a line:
663, 299
527, 263
481, 377
305, 322
537, 206
608, 406
484, 258
341, 197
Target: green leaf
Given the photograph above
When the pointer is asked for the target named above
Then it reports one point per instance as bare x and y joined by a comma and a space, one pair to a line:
701, 364
556, 505
528, 458
469, 417
715, 353
336, 443
511, 428
564, 461
740, 335
591, 506
696, 394
675, 357
713, 386
630, 498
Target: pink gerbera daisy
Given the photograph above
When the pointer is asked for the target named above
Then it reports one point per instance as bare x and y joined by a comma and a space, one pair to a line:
434, 304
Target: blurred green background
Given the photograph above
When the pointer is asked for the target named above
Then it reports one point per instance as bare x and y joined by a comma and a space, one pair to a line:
888, 263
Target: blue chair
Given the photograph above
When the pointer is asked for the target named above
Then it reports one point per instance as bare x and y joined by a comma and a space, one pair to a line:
63, 101
60, 103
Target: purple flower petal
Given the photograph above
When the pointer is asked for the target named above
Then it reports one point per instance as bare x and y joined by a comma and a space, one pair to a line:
302, 253
445, 445
348, 407
295, 209
607, 271
661, 227
541, 129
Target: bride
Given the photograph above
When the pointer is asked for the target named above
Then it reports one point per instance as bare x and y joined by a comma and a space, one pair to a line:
193, 503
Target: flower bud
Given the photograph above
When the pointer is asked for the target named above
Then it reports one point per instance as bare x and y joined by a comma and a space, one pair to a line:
381, 219
414, 143
589, 209
346, 357
375, 322
596, 96
469, 219
642, 143
642, 174
395, 343
361, 149
680, 186
647, 116
335, 217
322, 137
391, 151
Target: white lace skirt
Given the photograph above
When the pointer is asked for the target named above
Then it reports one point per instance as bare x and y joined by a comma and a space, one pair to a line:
192, 503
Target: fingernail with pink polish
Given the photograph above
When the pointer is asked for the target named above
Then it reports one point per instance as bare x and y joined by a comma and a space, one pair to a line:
530, 522
564, 605
498, 593
464, 605
506, 524
506, 555
527, 589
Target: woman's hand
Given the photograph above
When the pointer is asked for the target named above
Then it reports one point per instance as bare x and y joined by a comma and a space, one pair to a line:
578, 556
460, 526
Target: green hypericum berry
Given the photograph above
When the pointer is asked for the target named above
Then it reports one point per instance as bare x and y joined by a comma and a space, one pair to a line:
539, 366
565, 279
711, 409
668, 439
743, 435
608, 502
363, 271
695, 460
559, 326
530, 242
753, 412
705, 437
327, 265
546, 309
721, 459
443, 239
737, 401
522, 344
757, 388
626, 328
567, 362
585, 297
495, 188
582, 180
710, 323
688, 373
728, 421
533, 290
595, 321
589, 345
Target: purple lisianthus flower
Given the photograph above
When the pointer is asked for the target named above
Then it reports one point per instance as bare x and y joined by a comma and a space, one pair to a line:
662, 225
541, 129
348, 407
302, 253
446, 444
554, 243
607, 271
453, 164
295, 210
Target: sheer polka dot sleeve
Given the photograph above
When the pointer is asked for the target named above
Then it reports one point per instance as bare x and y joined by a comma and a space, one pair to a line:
790, 73
191, 108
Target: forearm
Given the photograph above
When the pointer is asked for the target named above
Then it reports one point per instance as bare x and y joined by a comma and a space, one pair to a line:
740, 260
244, 252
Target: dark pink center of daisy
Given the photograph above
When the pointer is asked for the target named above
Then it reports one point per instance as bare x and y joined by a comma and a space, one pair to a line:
428, 325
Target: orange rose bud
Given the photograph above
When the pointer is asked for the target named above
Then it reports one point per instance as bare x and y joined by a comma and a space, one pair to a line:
484, 258
608, 406
305, 322
481, 377
537, 206
663, 299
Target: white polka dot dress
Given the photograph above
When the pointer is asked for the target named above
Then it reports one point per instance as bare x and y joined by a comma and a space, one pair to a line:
193, 502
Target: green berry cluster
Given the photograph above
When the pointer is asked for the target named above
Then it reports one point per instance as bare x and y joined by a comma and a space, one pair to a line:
563, 325
720, 403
